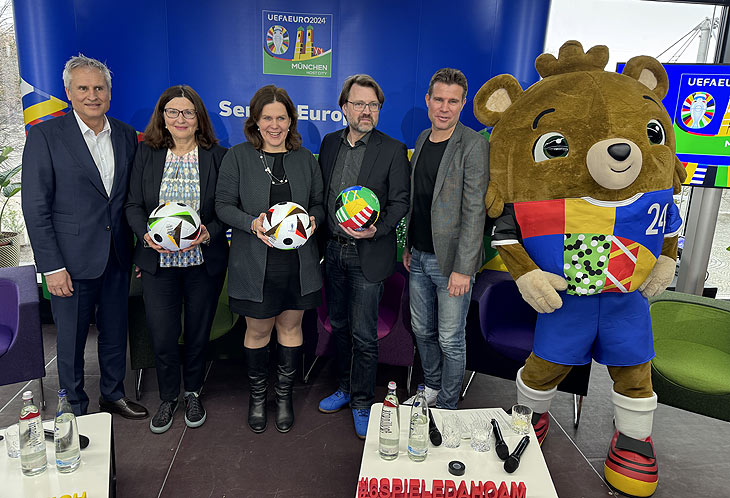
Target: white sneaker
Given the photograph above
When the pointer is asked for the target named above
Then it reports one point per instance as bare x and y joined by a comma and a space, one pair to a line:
431, 395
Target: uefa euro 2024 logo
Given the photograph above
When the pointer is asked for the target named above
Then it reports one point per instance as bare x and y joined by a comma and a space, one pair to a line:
297, 44
698, 110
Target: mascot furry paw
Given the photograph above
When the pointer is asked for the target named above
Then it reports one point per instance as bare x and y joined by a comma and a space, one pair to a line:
583, 168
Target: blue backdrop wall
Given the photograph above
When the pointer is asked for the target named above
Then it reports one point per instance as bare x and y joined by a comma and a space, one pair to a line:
228, 49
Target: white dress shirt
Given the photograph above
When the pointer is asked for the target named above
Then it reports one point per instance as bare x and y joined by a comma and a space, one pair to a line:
101, 150
100, 147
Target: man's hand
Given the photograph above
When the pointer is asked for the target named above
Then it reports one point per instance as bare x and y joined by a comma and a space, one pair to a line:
368, 233
458, 284
154, 246
59, 284
202, 238
258, 227
406, 259
314, 224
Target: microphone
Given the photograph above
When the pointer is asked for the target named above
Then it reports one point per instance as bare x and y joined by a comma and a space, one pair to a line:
499, 446
513, 461
433, 432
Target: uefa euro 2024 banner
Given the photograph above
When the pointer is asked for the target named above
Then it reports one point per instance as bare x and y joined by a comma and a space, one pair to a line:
226, 50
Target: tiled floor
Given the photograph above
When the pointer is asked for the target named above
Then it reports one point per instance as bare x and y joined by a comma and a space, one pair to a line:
320, 457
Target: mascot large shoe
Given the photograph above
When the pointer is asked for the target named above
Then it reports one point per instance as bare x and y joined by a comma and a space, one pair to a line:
631, 464
582, 172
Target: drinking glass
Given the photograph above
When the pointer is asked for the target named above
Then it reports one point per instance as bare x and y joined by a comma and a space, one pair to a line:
451, 431
521, 419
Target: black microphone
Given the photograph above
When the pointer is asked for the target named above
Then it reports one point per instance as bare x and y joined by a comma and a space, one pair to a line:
433, 432
499, 446
513, 461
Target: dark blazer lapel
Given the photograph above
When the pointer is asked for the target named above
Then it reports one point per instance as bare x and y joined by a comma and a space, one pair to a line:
447, 159
76, 145
333, 147
158, 167
205, 158
120, 157
371, 155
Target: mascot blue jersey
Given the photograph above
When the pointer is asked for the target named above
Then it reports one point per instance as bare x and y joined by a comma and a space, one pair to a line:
598, 246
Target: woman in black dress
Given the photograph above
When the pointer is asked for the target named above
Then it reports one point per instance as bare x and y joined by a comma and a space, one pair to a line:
270, 287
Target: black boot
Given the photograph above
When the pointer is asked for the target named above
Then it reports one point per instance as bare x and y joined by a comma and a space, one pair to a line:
257, 363
285, 373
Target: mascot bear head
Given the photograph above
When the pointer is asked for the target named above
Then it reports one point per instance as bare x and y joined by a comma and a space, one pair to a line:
580, 131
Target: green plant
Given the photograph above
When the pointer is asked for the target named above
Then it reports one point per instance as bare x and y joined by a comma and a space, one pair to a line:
8, 187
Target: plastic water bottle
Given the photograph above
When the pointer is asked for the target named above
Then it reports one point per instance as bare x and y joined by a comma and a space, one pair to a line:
390, 425
418, 432
32, 440
66, 436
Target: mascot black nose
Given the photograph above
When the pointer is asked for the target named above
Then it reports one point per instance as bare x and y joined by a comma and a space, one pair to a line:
619, 151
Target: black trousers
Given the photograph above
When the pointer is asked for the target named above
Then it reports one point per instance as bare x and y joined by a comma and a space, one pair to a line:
166, 294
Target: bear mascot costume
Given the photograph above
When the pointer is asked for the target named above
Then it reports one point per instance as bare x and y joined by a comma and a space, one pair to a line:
582, 175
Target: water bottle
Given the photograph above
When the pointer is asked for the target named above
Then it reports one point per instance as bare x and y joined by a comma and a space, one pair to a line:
418, 432
390, 425
66, 436
32, 439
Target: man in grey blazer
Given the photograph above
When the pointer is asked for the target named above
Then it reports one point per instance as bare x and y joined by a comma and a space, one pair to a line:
445, 230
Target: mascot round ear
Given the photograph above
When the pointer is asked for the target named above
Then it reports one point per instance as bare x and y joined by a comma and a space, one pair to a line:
649, 72
494, 97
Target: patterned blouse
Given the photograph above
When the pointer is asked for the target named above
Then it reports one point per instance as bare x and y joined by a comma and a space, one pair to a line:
181, 183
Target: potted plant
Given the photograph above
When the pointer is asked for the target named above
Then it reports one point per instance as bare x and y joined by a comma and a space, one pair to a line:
9, 241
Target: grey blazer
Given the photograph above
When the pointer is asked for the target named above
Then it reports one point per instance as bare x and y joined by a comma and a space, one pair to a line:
457, 206
243, 194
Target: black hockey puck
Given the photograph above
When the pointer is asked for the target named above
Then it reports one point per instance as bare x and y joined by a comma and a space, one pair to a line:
456, 468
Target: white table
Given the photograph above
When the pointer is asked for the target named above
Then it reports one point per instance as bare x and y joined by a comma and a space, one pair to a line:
94, 476
479, 466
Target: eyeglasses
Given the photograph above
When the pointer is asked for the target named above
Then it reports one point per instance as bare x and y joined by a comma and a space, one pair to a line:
360, 106
174, 113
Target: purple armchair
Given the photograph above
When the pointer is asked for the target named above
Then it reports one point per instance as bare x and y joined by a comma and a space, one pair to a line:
21, 340
395, 340
499, 334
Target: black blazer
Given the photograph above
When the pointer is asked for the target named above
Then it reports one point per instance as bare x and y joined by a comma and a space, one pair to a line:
385, 171
144, 192
70, 218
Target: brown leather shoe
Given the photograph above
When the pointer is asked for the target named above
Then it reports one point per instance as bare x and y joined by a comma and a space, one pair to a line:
124, 407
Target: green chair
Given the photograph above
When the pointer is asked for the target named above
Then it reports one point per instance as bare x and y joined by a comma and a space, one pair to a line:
691, 369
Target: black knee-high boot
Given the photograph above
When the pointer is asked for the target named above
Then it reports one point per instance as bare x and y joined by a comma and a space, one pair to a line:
285, 373
257, 363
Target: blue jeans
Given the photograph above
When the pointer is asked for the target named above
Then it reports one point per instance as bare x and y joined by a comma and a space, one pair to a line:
439, 323
353, 301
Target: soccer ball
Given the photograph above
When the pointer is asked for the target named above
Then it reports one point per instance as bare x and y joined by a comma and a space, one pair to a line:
174, 225
287, 225
357, 208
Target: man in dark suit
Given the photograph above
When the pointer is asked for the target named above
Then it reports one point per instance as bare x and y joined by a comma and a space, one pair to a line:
357, 262
445, 228
75, 179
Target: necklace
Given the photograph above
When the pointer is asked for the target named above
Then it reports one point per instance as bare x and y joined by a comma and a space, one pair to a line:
267, 168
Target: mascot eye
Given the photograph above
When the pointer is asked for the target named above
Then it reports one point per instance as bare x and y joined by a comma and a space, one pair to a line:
551, 145
655, 131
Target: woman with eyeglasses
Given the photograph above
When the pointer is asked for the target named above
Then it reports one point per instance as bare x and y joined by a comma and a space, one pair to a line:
179, 162
270, 287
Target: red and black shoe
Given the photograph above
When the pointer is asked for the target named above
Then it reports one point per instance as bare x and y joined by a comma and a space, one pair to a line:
631, 466
541, 424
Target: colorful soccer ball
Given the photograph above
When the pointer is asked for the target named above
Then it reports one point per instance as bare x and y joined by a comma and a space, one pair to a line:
287, 225
357, 207
174, 225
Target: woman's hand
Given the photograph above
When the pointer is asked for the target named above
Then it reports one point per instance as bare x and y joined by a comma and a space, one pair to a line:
156, 247
258, 228
202, 239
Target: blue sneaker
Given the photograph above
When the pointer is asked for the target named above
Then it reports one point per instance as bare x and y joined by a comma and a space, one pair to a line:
334, 402
361, 417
